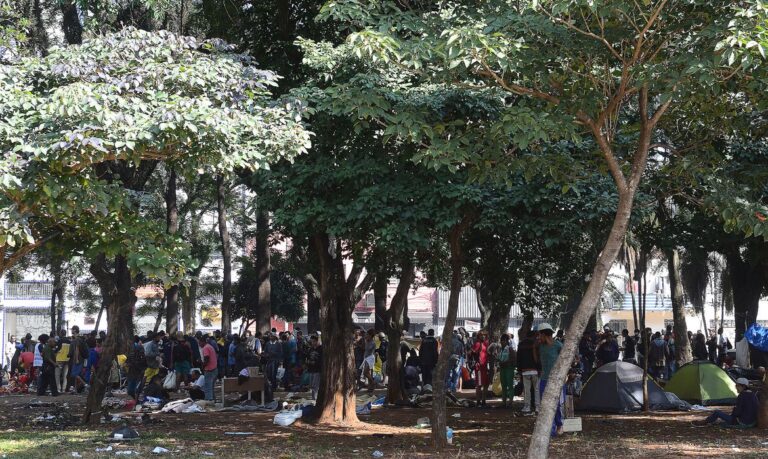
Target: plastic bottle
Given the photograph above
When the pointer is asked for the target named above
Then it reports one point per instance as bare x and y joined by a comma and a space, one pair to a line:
449, 435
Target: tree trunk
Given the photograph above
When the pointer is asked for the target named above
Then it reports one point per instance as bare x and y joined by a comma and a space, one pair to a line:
226, 257
394, 329
172, 227
646, 341
526, 326
682, 346
70, 23
380, 303
313, 302
188, 310
498, 320
38, 33
438, 381
263, 268
56, 297
98, 317
550, 398
160, 310
121, 301
484, 303
336, 396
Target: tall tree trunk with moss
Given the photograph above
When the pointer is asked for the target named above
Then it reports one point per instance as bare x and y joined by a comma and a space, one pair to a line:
117, 286
683, 353
338, 295
438, 403
226, 256
380, 286
172, 227
263, 269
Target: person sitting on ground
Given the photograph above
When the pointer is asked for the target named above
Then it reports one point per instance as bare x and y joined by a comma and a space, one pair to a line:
197, 386
744, 414
155, 389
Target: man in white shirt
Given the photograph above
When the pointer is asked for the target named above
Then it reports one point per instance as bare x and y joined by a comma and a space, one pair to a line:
197, 386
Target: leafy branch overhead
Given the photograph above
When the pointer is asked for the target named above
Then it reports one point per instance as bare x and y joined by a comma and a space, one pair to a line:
131, 97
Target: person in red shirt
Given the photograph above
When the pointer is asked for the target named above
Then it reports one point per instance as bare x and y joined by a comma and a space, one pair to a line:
209, 367
480, 352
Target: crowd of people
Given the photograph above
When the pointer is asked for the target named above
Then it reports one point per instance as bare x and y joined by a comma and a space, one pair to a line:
157, 362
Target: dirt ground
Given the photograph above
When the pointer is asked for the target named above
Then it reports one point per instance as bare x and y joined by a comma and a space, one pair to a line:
488, 433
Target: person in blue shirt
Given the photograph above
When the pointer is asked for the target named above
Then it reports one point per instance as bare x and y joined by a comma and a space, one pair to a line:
744, 414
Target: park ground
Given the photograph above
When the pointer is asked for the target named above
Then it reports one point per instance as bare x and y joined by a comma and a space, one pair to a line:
486, 433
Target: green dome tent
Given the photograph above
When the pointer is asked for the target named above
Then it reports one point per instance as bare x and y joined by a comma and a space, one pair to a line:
703, 382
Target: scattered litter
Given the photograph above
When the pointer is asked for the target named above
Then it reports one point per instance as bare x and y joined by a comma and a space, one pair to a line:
194, 408
206, 453
449, 435
378, 453
39, 404
160, 450
286, 418
456, 415
238, 433
124, 433
125, 453
422, 423
104, 450
177, 406
74, 454
365, 409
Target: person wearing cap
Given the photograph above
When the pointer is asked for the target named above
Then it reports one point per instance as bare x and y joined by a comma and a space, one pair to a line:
744, 414
549, 350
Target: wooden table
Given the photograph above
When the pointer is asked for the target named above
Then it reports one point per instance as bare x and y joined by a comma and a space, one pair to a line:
252, 384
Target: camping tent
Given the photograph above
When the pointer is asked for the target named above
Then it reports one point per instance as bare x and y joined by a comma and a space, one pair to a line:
617, 387
703, 382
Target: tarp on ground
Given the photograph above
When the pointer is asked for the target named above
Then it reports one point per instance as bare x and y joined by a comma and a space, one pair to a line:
704, 383
617, 387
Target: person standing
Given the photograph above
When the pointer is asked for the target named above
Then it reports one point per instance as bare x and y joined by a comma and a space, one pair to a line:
507, 361
37, 363
274, 355
135, 363
210, 367
62, 361
314, 364
549, 350
482, 380
78, 355
182, 359
10, 351
153, 354
48, 373
671, 362
455, 362
657, 356
528, 368
369, 359
723, 344
428, 356
628, 347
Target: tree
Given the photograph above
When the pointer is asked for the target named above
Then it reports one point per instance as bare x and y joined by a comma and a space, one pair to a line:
128, 98
607, 67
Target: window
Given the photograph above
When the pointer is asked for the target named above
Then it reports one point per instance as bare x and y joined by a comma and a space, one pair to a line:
617, 326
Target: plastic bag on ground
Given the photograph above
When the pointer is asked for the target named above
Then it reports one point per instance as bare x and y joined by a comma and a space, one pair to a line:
193, 408
286, 418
